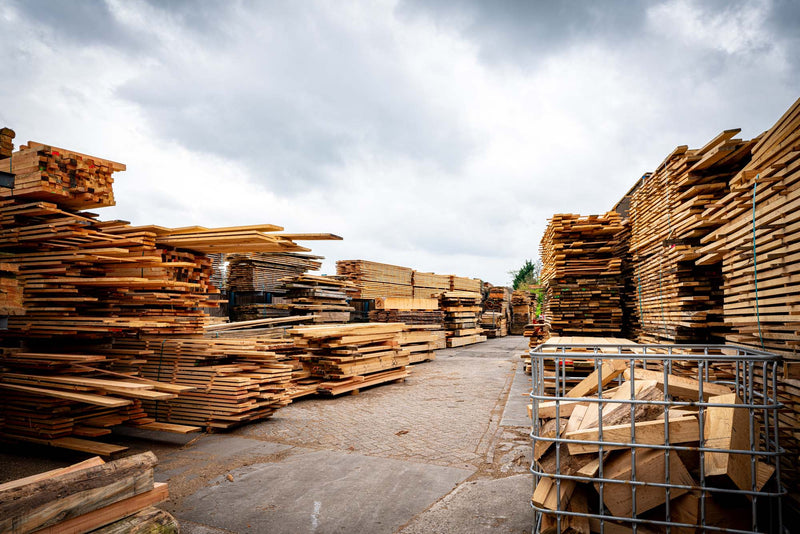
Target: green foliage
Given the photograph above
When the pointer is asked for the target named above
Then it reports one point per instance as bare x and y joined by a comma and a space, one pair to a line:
527, 279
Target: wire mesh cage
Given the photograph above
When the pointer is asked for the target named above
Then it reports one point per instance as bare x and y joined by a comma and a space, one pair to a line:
655, 438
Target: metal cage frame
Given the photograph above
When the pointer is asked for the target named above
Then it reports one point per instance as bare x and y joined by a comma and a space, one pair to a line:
759, 398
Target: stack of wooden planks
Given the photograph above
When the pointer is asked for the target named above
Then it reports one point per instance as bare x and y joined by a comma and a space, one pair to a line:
84, 277
63, 399
10, 289
537, 333
322, 296
6, 145
680, 299
520, 311
87, 496
496, 312
459, 283
232, 381
582, 275
629, 293
265, 271
421, 342
656, 410
760, 216
353, 356
461, 309
422, 311
430, 285
69, 178
373, 280
755, 242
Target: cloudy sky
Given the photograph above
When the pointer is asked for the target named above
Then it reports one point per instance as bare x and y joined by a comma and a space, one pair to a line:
436, 134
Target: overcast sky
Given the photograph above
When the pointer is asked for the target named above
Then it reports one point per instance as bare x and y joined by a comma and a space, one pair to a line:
439, 135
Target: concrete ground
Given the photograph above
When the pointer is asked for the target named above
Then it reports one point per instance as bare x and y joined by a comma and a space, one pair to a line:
445, 451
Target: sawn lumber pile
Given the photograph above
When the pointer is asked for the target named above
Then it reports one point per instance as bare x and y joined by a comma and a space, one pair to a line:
520, 311
233, 381
353, 356
582, 275
322, 296
756, 243
461, 309
679, 299
6, 144
761, 215
496, 312
633, 407
86, 496
373, 280
430, 285
10, 289
265, 271
63, 399
419, 311
71, 179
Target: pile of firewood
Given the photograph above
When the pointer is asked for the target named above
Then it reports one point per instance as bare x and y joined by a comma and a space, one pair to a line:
663, 414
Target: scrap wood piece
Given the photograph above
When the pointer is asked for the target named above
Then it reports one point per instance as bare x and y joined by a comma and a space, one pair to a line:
679, 386
548, 430
608, 371
729, 428
547, 495
681, 430
49, 501
91, 462
649, 468
618, 413
570, 524
113, 512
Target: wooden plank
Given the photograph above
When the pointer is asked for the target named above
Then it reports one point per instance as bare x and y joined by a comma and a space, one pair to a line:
608, 371
111, 513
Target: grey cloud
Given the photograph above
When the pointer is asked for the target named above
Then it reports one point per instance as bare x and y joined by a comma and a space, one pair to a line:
80, 22
509, 31
304, 94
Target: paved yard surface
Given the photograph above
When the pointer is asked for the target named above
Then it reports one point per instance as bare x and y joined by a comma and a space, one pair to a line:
445, 451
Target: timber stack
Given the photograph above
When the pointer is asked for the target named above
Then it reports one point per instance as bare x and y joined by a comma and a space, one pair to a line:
681, 300
256, 279
755, 243
520, 311
496, 312
103, 298
71, 179
230, 381
323, 297
430, 285
65, 400
373, 279
116, 497
418, 311
461, 309
350, 357
460, 283
581, 275
6, 145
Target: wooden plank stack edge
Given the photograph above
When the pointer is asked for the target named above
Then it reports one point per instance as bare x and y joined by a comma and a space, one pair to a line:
582, 274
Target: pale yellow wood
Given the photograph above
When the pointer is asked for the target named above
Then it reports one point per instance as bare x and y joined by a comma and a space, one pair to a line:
681, 430
679, 386
728, 428
607, 372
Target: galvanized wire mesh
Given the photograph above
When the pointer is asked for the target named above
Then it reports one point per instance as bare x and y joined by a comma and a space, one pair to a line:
673, 469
